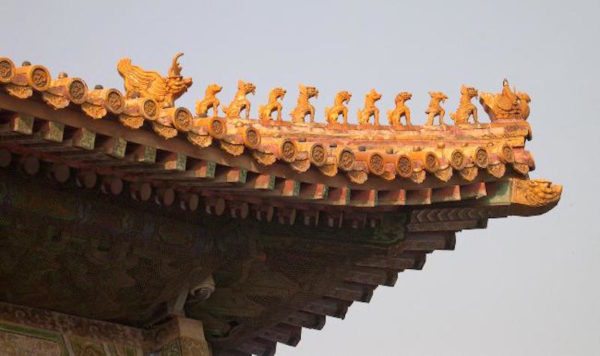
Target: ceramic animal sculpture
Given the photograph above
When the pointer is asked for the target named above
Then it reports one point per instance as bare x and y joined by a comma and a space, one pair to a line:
506, 105
239, 101
465, 109
435, 108
364, 114
524, 101
210, 101
395, 116
142, 83
274, 104
535, 192
303, 106
339, 108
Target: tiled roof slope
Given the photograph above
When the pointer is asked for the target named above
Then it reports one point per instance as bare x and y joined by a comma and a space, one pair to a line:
324, 163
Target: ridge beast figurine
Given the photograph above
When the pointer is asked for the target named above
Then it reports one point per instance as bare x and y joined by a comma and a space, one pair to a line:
274, 104
303, 106
435, 108
339, 108
210, 101
465, 109
369, 109
401, 110
240, 102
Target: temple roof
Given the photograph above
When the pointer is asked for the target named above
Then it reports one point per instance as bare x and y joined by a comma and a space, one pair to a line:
306, 161
338, 208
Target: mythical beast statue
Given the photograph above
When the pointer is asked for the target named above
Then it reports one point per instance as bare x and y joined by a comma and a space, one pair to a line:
143, 83
274, 104
240, 102
466, 109
332, 113
395, 116
210, 101
370, 109
435, 107
507, 105
303, 106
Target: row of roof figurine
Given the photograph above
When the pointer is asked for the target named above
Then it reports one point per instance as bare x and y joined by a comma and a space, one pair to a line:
517, 104
508, 104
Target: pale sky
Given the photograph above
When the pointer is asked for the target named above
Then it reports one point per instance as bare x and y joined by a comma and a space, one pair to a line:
523, 286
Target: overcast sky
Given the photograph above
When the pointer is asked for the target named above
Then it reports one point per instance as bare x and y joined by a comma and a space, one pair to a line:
523, 286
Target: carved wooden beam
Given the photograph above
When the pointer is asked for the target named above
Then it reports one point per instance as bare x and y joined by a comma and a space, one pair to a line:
473, 191
306, 320
106, 149
328, 307
418, 197
392, 197
446, 194
313, 191
195, 169
367, 275
350, 291
223, 176
16, 124
364, 198
284, 333
339, 196
75, 140
400, 263
428, 241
